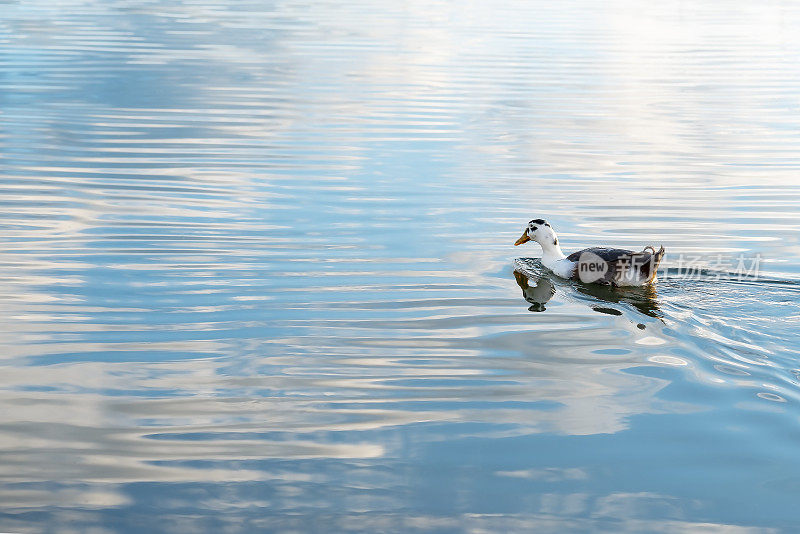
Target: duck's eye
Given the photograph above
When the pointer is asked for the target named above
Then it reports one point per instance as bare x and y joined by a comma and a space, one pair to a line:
533, 229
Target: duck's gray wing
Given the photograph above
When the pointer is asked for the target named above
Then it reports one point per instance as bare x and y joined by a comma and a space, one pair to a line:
609, 255
641, 266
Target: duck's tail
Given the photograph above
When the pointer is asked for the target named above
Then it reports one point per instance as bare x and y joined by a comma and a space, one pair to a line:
649, 268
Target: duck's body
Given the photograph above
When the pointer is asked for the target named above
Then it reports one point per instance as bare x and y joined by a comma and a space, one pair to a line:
600, 265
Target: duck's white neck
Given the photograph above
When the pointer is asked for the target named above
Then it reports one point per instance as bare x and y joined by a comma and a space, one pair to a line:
551, 253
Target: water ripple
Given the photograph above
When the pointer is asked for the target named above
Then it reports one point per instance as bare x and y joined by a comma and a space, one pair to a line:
258, 266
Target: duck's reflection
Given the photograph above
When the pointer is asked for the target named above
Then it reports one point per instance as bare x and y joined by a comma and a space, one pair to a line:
538, 288
642, 298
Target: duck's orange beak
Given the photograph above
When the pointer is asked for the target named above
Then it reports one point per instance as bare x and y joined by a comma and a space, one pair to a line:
523, 239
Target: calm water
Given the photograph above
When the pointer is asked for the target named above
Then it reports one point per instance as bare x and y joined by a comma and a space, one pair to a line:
258, 273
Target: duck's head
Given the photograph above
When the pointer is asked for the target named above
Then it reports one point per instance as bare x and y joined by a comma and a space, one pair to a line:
540, 231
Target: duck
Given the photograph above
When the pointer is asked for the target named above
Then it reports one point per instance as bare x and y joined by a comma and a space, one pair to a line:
596, 265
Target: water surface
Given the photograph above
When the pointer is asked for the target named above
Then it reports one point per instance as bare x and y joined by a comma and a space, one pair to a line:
258, 273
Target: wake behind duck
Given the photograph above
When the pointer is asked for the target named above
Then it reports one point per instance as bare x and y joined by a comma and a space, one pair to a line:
599, 265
